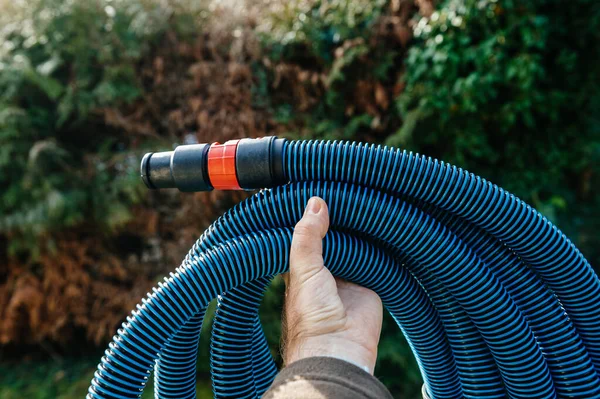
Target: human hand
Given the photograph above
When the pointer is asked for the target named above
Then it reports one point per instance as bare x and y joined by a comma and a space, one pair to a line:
324, 315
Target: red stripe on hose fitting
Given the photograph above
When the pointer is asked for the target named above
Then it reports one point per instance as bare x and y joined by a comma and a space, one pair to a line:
221, 166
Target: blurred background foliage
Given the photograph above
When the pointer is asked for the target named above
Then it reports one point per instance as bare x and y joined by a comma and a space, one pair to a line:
506, 89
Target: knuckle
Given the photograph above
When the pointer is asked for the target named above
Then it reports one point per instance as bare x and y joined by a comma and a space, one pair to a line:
302, 246
307, 228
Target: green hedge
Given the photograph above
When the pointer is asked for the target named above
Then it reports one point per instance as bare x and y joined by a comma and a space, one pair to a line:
60, 61
61, 64
509, 90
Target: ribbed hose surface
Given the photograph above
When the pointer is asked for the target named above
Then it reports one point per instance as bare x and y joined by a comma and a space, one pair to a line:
493, 299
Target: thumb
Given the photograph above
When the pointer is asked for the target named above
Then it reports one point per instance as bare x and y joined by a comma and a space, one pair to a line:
306, 254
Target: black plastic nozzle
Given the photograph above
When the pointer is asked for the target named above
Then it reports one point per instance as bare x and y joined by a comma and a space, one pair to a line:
184, 168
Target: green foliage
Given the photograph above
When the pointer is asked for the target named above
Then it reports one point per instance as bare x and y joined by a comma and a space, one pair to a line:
67, 378
312, 29
332, 38
60, 61
64, 379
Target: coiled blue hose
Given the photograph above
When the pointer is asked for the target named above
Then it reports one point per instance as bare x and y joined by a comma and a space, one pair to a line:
493, 299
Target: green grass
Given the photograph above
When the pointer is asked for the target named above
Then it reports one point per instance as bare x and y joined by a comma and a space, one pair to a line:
63, 379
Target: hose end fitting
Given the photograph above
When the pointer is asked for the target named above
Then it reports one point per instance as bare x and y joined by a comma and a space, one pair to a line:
184, 168
259, 162
244, 164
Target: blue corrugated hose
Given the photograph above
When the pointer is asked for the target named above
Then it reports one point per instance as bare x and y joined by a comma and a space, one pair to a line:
493, 299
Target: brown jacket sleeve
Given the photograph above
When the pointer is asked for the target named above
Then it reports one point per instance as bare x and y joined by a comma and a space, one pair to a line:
325, 378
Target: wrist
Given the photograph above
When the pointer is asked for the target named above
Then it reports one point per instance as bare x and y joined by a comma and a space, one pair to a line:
335, 347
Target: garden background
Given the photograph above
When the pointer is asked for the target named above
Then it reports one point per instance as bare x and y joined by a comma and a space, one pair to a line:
508, 89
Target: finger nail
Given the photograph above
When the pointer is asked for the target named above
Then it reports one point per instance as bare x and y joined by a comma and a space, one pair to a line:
313, 206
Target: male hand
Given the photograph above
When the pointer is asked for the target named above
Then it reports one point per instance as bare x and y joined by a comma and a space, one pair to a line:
324, 315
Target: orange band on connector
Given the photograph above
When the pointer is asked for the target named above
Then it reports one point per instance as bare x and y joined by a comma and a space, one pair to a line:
221, 166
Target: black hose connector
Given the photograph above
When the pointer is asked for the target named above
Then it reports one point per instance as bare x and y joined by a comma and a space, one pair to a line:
184, 168
246, 164
259, 162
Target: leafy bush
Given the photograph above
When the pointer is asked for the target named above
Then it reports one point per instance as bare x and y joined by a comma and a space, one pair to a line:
312, 30
336, 65
60, 63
